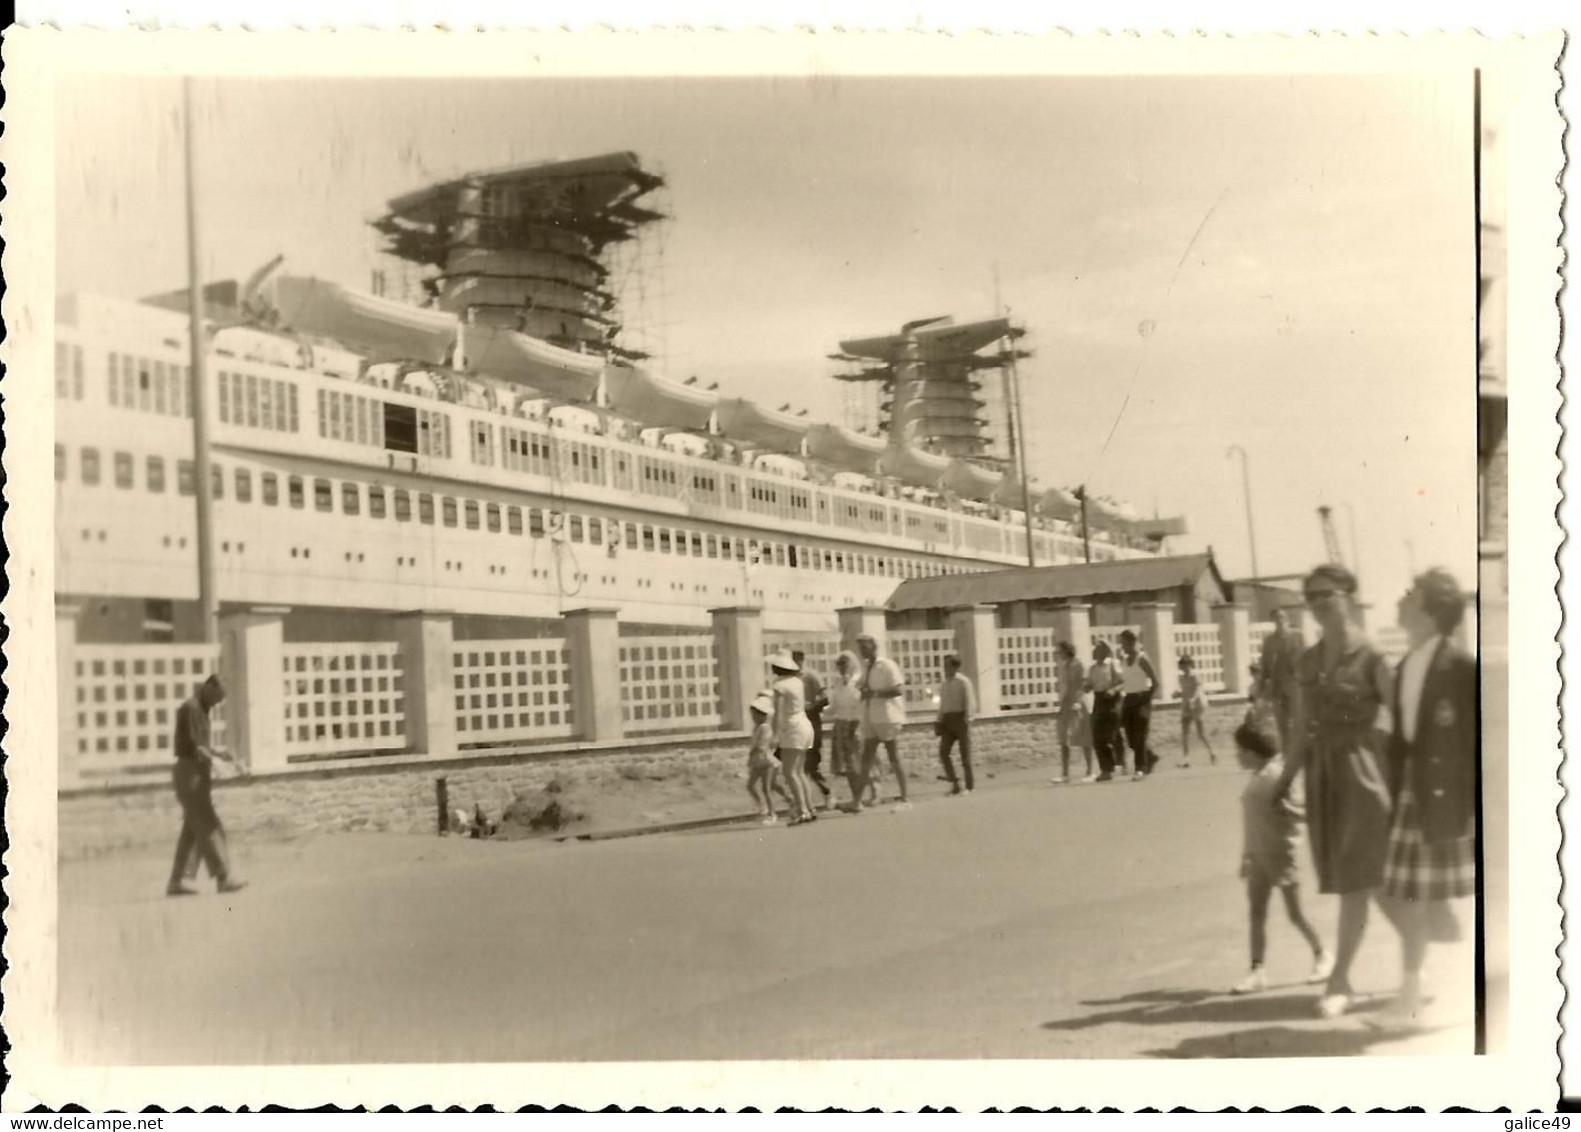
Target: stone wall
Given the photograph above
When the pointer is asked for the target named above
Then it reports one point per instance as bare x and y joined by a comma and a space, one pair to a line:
398, 794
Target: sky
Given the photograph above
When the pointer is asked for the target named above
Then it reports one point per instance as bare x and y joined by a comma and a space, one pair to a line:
1284, 263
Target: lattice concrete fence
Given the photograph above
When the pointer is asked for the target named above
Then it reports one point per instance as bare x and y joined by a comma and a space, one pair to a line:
427, 694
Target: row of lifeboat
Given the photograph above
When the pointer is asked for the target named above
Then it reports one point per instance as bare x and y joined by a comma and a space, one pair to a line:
383, 328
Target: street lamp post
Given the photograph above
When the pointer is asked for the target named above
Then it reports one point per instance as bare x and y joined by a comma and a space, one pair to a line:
1246, 490
198, 395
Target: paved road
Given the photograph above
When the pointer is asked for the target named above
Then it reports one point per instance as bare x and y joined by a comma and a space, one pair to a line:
1023, 921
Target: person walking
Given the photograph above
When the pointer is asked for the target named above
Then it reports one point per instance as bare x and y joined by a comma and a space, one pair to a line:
1431, 857
762, 767
1270, 834
812, 688
1074, 725
1339, 740
1138, 681
1105, 681
845, 709
792, 733
1193, 711
201, 829
1275, 683
957, 706
883, 689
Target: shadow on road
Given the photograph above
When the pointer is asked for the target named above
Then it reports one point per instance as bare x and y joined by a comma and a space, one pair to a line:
1279, 1041
1186, 1007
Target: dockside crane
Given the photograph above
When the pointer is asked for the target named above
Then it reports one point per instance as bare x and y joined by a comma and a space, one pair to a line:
1330, 536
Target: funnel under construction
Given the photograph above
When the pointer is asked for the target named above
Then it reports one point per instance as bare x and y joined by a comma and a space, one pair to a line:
524, 248
928, 373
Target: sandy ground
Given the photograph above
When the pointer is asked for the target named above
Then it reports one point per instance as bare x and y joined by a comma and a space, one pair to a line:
1024, 921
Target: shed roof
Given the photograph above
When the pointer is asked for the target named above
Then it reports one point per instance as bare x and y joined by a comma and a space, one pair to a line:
1041, 583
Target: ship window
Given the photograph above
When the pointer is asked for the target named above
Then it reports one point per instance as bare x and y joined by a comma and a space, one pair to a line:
576, 528
790, 555
595, 533
145, 385
123, 469
160, 381
252, 400
186, 477
225, 397
471, 511
493, 514
513, 520
323, 495
400, 428
266, 402
293, 491
664, 540
375, 502
697, 545
90, 465
712, 544
633, 536
647, 539
839, 561
60, 462
244, 486
61, 384
291, 396
447, 510
351, 498
271, 489
216, 482
403, 505
425, 508
535, 522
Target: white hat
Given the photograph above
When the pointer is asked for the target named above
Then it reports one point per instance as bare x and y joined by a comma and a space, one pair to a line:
763, 702
784, 661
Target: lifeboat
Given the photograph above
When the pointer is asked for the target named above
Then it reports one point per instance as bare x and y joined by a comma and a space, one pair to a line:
382, 328
645, 397
766, 428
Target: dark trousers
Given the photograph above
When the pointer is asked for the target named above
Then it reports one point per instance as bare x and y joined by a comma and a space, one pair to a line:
1106, 731
954, 729
1136, 717
814, 762
201, 831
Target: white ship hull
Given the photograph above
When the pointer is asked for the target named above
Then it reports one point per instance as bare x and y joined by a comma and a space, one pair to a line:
500, 512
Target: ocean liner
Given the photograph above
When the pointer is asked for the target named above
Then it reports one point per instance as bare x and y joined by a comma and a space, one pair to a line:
499, 454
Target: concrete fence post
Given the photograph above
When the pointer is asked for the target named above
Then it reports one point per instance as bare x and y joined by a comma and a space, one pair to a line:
856, 620
738, 649
1073, 623
592, 636
1235, 646
1157, 621
66, 616
252, 665
428, 681
977, 644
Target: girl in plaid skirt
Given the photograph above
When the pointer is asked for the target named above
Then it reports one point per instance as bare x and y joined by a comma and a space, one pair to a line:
1431, 857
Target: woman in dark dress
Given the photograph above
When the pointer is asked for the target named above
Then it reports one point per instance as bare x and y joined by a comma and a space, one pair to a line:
1339, 736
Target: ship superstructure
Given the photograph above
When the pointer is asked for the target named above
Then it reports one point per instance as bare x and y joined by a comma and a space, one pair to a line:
495, 454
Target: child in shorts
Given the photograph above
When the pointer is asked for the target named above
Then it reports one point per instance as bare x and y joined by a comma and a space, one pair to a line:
1271, 837
762, 767
1193, 711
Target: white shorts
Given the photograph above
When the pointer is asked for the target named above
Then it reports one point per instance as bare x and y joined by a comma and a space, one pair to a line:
883, 732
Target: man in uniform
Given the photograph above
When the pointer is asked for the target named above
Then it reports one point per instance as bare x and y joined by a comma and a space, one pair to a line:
1276, 675
201, 830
